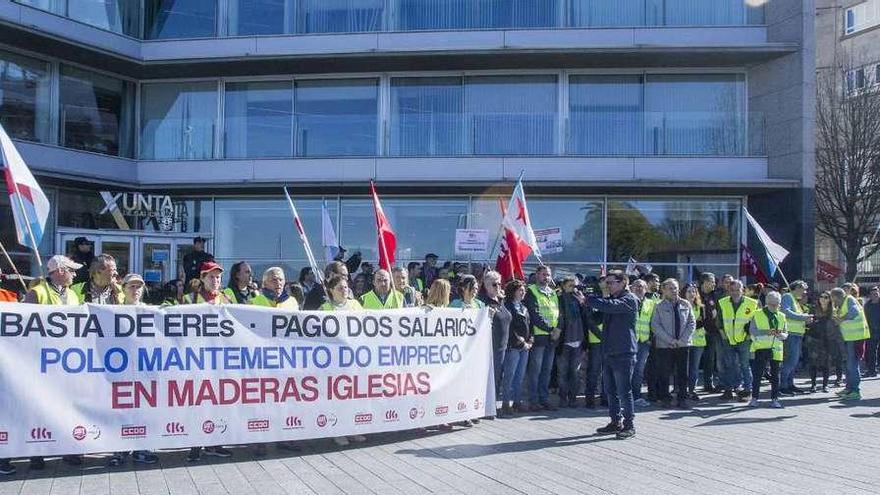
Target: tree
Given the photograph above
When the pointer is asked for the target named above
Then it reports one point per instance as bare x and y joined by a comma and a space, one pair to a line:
848, 161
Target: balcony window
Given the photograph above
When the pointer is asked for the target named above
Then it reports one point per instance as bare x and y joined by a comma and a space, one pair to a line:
261, 17
695, 114
24, 97
511, 115
96, 112
259, 119
413, 15
598, 13
341, 16
168, 19
119, 16
178, 120
427, 116
336, 117
606, 115
701, 12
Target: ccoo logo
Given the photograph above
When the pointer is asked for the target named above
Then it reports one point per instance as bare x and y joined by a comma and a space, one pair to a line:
363, 418
441, 410
133, 431
173, 429
4, 437
391, 416
292, 423
258, 425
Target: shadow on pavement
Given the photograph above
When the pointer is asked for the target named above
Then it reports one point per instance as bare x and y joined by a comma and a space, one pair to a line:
470, 450
744, 421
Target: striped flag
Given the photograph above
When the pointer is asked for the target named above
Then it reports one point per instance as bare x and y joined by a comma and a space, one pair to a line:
328, 234
297, 222
30, 206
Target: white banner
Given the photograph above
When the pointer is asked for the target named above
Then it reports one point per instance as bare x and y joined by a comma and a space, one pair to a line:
79, 379
471, 241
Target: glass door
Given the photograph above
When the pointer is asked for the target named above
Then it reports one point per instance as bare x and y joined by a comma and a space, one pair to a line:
121, 250
158, 263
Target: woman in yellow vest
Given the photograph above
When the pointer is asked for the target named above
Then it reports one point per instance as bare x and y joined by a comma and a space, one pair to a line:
691, 294
767, 332
272, 294
848, 313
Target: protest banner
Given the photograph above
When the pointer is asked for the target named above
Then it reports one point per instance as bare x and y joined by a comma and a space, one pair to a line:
93, 378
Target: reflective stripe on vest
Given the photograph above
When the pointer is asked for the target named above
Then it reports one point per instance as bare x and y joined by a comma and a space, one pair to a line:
47, 295
699, 339
371, 300
261, 300
763, 339
548, 307
796, 327
592, 338
853, 329
735, 324
643, 321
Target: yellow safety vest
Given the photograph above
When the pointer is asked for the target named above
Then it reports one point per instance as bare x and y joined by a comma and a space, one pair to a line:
221, 298
288, 304
735, 322
47, 295
350, 305
592, 338
761, 336
548, 307
643, 321
231, 295
80, 291
796, 327
855, 329
699, 338
371, 300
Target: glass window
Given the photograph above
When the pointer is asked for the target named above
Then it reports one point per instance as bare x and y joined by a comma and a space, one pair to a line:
701, 12
580, 224
341, 16
119, 16
256, 17
478, 14
259, 119
422, 226
165, 19
24, 97
512, 115
85, 210
427, 116
56, 6
177, 120
336, 117
675, 231
606, 115
96, 112
590, 13
695, 114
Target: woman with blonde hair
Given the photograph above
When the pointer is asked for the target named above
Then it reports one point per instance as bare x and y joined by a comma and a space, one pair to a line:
438, 294
691, 294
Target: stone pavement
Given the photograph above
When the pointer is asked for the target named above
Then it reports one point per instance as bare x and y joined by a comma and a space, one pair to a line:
815, 445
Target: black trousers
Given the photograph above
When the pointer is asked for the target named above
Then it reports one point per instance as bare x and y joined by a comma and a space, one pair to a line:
666, 363
762, 357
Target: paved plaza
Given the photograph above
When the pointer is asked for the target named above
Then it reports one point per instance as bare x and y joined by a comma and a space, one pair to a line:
815, 445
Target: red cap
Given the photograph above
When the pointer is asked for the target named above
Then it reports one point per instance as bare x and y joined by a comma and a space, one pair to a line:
209, 266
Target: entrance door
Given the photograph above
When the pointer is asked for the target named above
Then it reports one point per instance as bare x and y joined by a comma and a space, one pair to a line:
158, 263
120, 247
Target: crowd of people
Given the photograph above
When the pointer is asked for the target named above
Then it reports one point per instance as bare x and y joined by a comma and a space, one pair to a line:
619, 341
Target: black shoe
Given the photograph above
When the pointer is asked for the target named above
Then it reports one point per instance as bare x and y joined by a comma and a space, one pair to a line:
786, 392
548, 407
610, 429
6, 468
144, 457
727, 395
798, 391
217, 452
195, 454
37, 463
626, 433
116, 460
590, 402
693, 396
812, 389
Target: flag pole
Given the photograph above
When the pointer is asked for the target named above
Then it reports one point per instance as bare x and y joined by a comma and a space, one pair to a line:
14, 268
305, 240
522, 172
381, 237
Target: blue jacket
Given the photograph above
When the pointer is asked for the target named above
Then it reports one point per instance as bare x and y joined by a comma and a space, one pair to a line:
619, 322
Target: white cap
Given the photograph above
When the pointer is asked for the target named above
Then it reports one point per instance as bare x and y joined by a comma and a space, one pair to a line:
132, 277
60, 261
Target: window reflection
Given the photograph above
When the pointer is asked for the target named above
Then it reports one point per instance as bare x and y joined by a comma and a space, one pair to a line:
166, 19
96, 112
261, 17
24, 97
177, 120
259, 119
336, 117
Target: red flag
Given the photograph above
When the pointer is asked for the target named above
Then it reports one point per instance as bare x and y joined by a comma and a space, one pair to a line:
749, 267
519, 239
387, 239
826, 271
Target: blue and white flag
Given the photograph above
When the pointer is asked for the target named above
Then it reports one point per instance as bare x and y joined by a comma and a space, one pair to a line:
328, 237
30, 206
776, 254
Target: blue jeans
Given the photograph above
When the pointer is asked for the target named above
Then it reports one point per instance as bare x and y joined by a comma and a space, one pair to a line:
515, 361
639, 369
791, 354
739, 370
694, 356
594, 370
567, 366
618, 371
853, 377
540, 364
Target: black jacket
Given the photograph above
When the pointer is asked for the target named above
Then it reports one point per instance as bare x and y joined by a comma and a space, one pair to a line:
519, 326
619, 322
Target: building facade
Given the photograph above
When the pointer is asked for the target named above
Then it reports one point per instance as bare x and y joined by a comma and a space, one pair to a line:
641, 126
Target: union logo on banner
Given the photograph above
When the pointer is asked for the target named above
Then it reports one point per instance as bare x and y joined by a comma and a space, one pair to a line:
174, 429
133, 431
292, 423
4, 437
258, 425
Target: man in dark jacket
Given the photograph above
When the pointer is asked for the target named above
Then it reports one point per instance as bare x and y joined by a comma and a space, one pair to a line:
573, 316
619, 352
193, 260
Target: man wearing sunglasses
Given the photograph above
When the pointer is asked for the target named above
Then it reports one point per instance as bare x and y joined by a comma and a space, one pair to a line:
619, 312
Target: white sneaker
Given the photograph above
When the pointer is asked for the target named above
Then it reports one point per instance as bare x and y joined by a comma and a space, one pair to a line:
642, 402
358, 438
341, 441
753, 403
776, 404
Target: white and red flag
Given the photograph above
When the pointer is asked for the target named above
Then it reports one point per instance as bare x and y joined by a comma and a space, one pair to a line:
386, 237
518, 240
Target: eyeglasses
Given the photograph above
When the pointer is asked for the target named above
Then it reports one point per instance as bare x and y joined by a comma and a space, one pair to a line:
824, 297
496, 284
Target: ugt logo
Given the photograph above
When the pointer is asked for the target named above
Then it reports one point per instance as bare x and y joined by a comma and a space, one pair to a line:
80, 432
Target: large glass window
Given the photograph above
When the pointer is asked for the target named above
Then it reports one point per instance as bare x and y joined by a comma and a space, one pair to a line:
695, 114
119, 16
704, 12
340, 16
177, 120
422, 225
674, 231
96, 112
512, 115
336, 117
606, 113
256, 17
590, 13
427, 116
164, 19
476, 14
24, 97
259, 119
